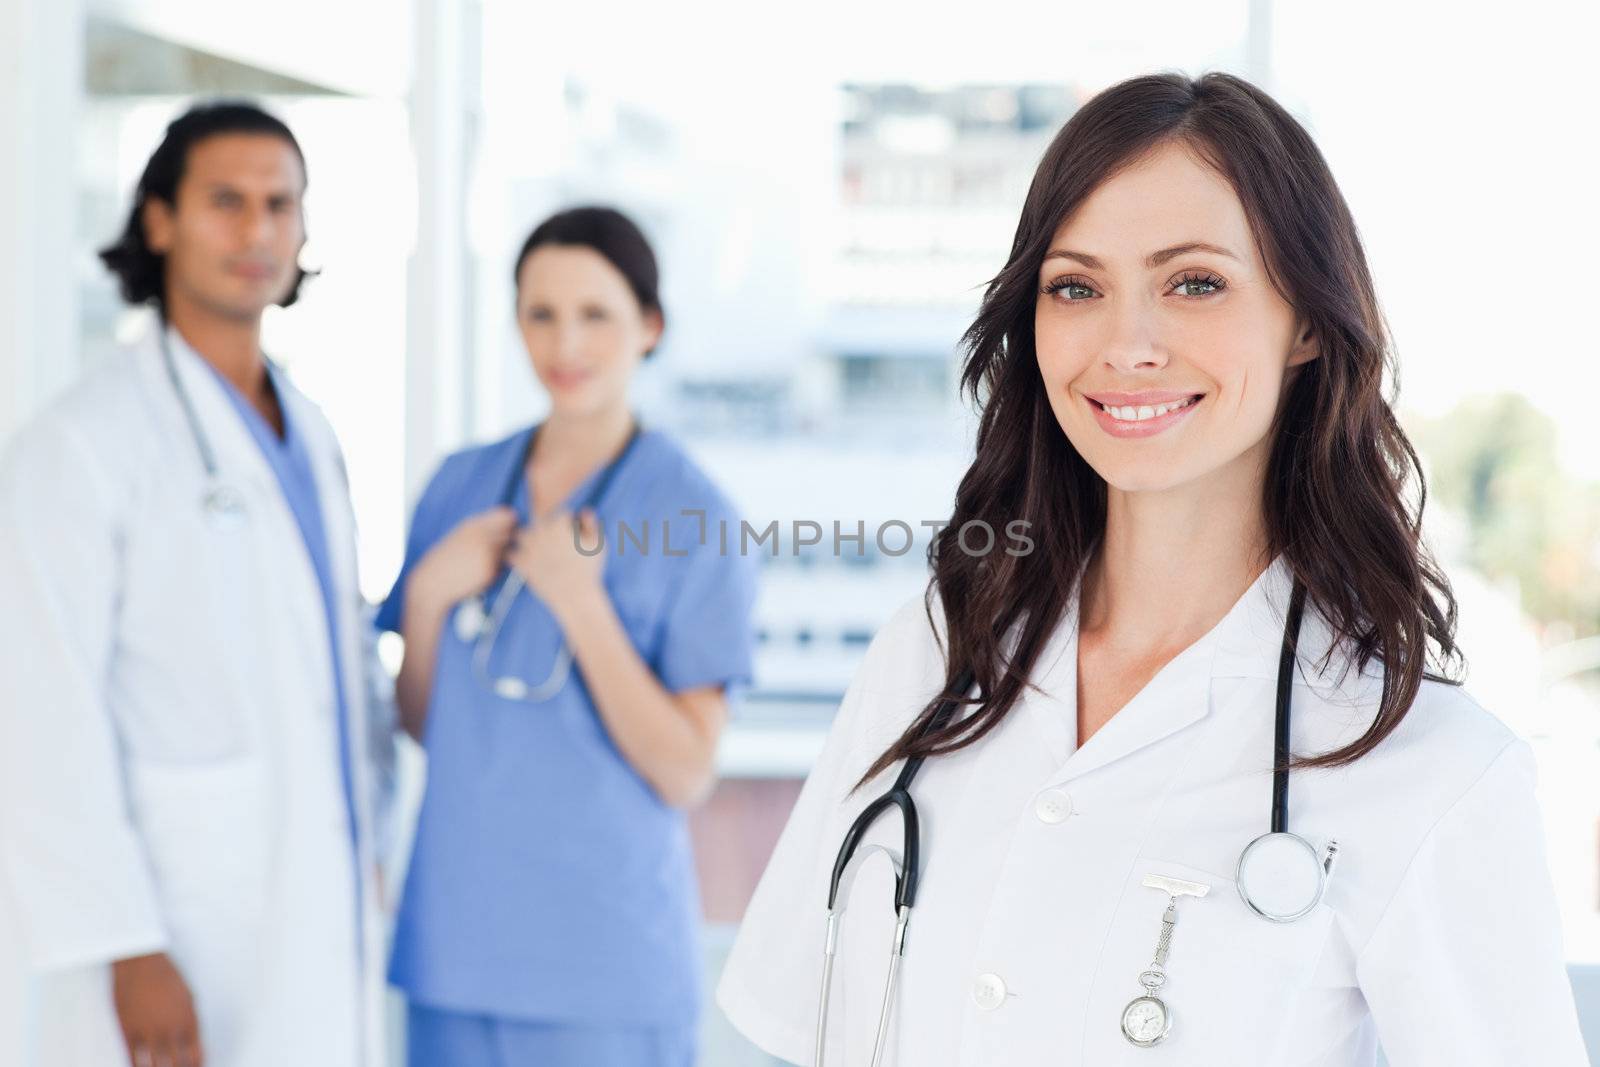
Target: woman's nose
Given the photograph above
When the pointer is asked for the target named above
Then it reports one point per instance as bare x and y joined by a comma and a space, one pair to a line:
568, 337
1134, 340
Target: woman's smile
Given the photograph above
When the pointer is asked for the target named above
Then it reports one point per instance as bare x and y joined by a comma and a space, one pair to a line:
567, 377
1141, 419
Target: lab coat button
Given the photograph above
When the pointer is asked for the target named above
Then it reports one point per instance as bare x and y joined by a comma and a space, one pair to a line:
989, 991
1053, 806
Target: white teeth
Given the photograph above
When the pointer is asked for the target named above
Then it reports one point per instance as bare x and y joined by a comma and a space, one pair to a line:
1143, 412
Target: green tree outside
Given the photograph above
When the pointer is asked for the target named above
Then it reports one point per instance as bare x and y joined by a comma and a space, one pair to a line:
1494, 460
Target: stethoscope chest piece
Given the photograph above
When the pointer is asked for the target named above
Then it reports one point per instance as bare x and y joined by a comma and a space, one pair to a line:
1281, 876
224, 508
469, 619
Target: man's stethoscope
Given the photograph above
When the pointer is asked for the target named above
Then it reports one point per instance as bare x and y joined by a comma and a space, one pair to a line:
223, 504
1281, 876
481, 626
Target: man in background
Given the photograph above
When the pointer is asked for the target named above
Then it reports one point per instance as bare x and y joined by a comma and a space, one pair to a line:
192, 749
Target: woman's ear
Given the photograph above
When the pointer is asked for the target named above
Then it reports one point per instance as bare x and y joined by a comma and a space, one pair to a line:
654, 325
1306, 347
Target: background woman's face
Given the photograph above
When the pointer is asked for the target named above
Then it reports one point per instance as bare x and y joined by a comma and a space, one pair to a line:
1129, 316
583, 327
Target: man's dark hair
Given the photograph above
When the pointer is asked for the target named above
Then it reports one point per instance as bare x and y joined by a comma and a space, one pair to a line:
141, 272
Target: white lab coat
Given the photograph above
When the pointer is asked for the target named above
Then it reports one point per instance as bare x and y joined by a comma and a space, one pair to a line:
169, 770
1438, 935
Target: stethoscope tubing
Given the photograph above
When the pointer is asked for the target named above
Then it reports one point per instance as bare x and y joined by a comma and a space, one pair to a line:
202, 443
898, 796
224, 506
1280, 725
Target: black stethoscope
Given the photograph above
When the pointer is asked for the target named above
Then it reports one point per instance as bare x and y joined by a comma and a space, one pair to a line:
480, 624
1281, 876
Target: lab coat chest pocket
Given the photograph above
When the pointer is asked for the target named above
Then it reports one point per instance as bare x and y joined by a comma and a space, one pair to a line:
1233, 978
207, 832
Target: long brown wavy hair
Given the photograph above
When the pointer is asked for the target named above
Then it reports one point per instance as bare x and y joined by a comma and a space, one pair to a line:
1335, 494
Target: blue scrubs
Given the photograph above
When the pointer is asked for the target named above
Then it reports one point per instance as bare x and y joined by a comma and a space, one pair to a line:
551, 894
290, 460
436, 1038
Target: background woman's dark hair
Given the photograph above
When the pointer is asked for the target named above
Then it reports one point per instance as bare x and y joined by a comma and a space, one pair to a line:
141, 273
613, 235
1335, 496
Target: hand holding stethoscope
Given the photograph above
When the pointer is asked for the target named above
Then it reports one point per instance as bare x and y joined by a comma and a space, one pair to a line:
463, 568
546, 559
466, 560
546, 556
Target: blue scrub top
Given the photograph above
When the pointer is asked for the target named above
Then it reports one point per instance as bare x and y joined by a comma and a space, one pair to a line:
290, 460
547, 879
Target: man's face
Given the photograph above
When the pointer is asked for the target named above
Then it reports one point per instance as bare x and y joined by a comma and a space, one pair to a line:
232, 239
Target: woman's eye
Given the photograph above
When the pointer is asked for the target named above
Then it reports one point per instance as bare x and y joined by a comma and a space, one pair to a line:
1069, 290
1200, 284
595, 314
538, 315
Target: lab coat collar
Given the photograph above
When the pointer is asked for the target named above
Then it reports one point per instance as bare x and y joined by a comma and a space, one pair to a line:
1251, 644
1246, 642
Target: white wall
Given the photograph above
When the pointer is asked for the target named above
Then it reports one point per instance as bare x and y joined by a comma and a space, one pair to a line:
438, 342
41, 47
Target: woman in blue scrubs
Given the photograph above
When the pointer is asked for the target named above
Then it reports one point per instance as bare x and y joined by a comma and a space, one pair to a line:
550, 915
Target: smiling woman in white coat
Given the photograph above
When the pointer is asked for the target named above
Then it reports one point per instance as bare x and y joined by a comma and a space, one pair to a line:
193, 746
1220, 577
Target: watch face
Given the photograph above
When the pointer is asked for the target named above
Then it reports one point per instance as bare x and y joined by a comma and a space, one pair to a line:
1145, 1021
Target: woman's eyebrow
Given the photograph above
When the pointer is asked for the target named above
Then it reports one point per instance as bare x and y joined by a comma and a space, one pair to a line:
1154, 259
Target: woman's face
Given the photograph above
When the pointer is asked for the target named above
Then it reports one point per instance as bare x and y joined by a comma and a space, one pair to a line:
583, 327
1133, 314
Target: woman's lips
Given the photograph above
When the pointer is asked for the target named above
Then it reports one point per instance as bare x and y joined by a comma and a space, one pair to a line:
1144, 427
568, 379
